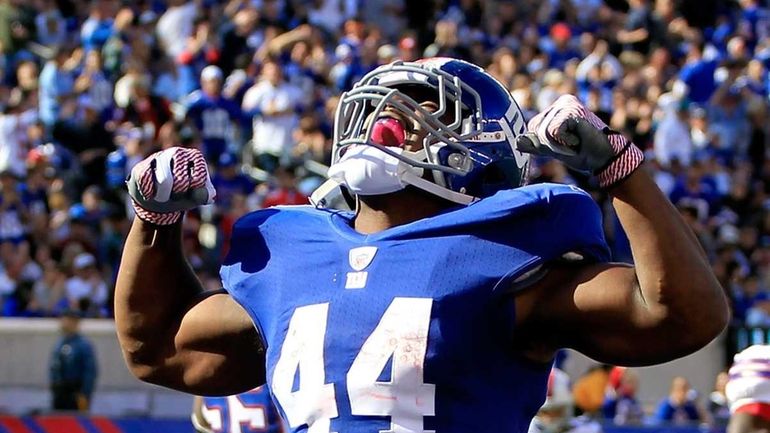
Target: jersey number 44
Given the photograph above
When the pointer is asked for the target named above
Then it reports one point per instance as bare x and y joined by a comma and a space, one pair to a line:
400, 337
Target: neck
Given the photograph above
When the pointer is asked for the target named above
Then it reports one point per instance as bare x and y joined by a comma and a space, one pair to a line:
381, 212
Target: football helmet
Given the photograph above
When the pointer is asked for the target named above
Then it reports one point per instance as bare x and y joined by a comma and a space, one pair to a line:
469, 150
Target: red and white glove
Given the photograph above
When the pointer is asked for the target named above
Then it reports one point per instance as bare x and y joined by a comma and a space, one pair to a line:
167, 183
571, 133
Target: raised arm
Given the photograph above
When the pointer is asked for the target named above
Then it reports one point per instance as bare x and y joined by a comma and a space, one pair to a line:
666, 306
170, 332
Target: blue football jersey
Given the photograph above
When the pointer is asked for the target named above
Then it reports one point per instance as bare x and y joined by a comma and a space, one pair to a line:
408, 329
250, 412
214, 118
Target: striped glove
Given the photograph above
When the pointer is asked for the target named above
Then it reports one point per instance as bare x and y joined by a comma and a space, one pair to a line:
569, 132
169, 182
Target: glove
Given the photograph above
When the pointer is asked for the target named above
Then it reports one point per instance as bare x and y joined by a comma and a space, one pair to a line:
569, 132
169, 182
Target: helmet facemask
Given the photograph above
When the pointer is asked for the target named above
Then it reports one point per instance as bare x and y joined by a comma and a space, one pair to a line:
464, 142
388, 87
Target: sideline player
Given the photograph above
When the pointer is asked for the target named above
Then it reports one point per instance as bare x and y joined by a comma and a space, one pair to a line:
556, 414
250, 412
438, 304
748, 391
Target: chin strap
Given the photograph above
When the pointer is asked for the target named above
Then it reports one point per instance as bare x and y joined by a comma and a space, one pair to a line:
432, 188
320, 197
412, 176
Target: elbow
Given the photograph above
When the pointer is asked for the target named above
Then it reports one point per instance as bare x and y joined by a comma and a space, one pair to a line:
699, 323
144, 367
144, 371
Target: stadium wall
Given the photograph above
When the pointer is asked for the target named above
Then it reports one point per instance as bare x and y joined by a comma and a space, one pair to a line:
25, 352
26, 344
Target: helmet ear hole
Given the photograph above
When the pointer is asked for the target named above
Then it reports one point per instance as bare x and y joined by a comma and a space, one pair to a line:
496, 176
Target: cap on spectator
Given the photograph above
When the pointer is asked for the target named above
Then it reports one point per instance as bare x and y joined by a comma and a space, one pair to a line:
227, 160
560, 31
83, 260
211, 72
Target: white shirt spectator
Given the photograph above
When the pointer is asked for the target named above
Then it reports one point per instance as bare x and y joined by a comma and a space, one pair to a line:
78, 288
175, 26
273, 133
672, 141
13, 130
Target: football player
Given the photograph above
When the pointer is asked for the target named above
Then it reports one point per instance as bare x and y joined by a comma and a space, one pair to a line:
748, 391
556, 414
439, 303
250, 412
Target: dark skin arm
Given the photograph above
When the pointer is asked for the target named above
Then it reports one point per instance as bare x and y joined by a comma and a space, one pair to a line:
170, 332
667, 306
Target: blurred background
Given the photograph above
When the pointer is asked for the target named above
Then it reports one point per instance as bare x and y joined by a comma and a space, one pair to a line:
90, 87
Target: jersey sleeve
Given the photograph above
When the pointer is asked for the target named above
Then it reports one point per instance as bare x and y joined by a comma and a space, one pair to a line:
248, 256
575, 221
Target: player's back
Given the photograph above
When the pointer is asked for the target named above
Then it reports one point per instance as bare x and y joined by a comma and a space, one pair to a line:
409, 329
249, 412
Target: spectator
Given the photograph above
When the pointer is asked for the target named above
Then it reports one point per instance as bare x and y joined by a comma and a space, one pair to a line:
556, 413
620, 404
447, 43
678, 407
672, 137
213, 115
718, 405
588, 392
175, 25
240, 40
272, 104
50, 26
13, 211
56, 85
285, 191
228, 181
146, 110
48, 292
97, 29
86, 290
73, 368
638, 32
93, 83
559, 51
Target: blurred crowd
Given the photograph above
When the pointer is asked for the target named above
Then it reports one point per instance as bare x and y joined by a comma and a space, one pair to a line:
607, 395
90, 87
